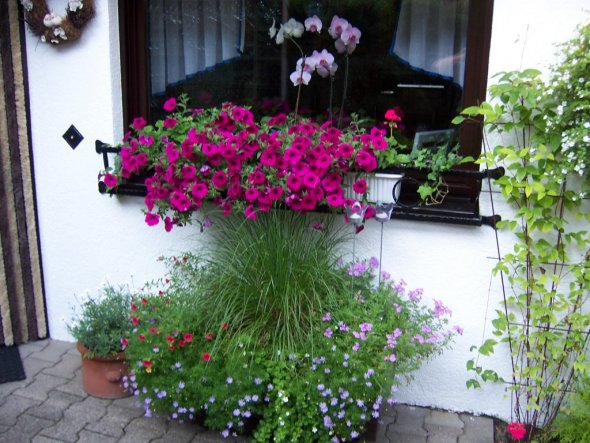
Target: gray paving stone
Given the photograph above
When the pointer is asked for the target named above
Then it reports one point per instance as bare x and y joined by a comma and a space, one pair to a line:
477, 429
44, 439
410, 415
55, 405
11, 410
406, 432
128, 403
40, 387
215, 437
54, 350
94, 437
66, 430
27, 426
144, 429
65, 368
31, 347
179, 433
443, 427
8, 388
87, 411
109, 425
34, 365
74, 386
114, 410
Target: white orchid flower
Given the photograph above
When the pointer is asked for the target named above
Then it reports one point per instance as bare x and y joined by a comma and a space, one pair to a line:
293, 28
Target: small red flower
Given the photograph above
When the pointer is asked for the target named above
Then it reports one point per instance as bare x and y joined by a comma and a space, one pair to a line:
152, 330
209, 336
141, 337
172, 348
124, 343
181, 343
147, 364
160, 292
206, 356
392, 116
144, 301
133, 308
169, 339
134, 321
516, 430
225, 326
188, 337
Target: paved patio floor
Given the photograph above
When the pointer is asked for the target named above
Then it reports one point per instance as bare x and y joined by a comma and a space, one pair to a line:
50, 406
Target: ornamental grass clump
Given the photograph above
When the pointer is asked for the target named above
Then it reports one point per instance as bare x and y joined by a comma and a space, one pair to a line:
271, 277
191, 362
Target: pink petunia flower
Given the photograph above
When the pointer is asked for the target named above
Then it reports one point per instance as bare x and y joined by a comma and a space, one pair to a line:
170, 104
139, 123
152, 219
360, 186
110, 180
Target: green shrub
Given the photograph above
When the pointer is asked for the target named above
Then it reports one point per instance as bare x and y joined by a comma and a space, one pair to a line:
572, 424
103, 321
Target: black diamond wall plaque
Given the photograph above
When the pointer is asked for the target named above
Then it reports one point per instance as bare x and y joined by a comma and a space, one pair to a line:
73, 137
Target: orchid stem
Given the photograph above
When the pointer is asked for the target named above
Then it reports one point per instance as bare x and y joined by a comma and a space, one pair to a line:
344, 90
330, 116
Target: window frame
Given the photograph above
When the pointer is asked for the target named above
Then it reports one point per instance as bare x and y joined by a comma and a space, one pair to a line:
462, 202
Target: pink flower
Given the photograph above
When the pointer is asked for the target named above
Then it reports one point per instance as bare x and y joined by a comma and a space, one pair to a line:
360, 186
324, 63
170, 104
313, 24
110, 180
152, 219
250, 212
337, 26
139, 122
169, 122
168, 224
199, 191
219, 180
300, 78
392, 116
335, 200
516, 430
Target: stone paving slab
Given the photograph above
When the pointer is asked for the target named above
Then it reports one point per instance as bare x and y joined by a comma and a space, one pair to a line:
50, 406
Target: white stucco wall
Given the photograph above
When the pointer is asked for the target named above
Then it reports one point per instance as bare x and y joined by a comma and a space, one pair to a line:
86, 236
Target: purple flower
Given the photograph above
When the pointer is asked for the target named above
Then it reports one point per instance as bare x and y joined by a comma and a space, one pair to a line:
321, 387
385, 275
343, 326
328, 333
323, 408
416, 294
357, 269
327, 317
237, 412
366, 327
440, 309
328, 422
354, 434
229, 380
257, 381
355, 347
374, 262
225, 433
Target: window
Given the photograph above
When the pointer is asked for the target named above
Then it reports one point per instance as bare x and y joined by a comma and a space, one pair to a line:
429, 58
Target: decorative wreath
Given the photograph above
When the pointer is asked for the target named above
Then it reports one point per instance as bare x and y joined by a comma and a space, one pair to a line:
54, 28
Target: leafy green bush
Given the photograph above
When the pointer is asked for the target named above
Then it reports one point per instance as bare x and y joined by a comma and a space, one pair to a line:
572, 424
103, 321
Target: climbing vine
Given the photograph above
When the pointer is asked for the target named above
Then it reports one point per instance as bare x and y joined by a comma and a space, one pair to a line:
545, 315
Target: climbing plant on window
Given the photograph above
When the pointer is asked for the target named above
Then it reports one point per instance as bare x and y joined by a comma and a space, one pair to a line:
545, 314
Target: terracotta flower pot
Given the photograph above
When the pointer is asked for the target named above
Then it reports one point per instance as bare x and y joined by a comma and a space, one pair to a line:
101, 376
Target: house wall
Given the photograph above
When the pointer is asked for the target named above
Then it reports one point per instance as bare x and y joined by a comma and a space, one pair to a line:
87, 238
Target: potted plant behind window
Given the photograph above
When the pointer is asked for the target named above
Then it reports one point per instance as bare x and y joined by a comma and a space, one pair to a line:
100, 328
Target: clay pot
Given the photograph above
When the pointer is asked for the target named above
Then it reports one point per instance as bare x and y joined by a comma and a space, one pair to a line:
101, 376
